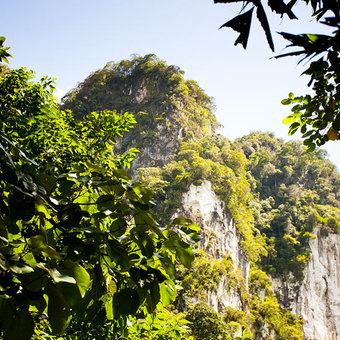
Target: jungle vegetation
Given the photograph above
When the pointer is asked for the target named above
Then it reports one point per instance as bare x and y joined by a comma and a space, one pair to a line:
277, 193
81, 251
87, 251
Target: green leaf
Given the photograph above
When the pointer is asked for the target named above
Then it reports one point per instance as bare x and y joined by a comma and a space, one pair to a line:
36, 280
21, 269
95, 168
168, 292
21, 326
153, 297
47, 181
125, 302
118, 227
96, 313
59, 277
122, 174
59, 313
168, 264
307, 134
313, 37
70, 293
291, 118
311, 147
106, 202
187, 225
185, 254
29, 259
293, 128
67, 188
181, 221
38, 244
80, 274
286, 102
41, 207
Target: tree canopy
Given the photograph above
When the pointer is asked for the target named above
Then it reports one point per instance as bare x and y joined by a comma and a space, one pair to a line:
80, 248
295, 192
83, 250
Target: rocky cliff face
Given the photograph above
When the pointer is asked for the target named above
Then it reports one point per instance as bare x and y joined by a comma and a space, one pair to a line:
156, 152
219, 233
219, 238
316, 299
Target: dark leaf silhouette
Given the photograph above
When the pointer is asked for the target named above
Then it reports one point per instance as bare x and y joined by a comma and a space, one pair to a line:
280, 7
226, 1
241, 24
317, 117
261, 15
311, 44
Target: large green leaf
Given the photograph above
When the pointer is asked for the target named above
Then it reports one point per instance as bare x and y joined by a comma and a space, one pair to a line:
21, 326
106, 202
168, 292
168, 264
38, 244
47, 181
59, 313
80, 274
185, 254
125, 302
71, 294
153, 296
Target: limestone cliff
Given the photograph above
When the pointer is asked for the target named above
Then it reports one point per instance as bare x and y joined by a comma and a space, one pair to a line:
316, 299
219, 238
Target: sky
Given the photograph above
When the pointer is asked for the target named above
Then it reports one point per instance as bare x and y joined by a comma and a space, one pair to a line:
69, 39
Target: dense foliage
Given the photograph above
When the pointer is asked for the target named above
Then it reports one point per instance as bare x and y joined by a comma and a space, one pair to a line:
276, 193
82, 254
150, 89
80, 249
294, 192
212, 159
259, 314
318, 116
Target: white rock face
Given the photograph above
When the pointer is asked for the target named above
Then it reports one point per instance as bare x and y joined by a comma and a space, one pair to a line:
220, 235
317, 299
219, 238
158, 153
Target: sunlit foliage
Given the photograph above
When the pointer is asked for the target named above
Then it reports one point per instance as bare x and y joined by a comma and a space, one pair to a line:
80, 249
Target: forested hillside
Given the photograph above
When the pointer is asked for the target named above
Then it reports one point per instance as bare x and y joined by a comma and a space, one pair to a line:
294, 192
126, 215
275, 191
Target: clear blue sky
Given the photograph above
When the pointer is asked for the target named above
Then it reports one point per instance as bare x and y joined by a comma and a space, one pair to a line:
68, 39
